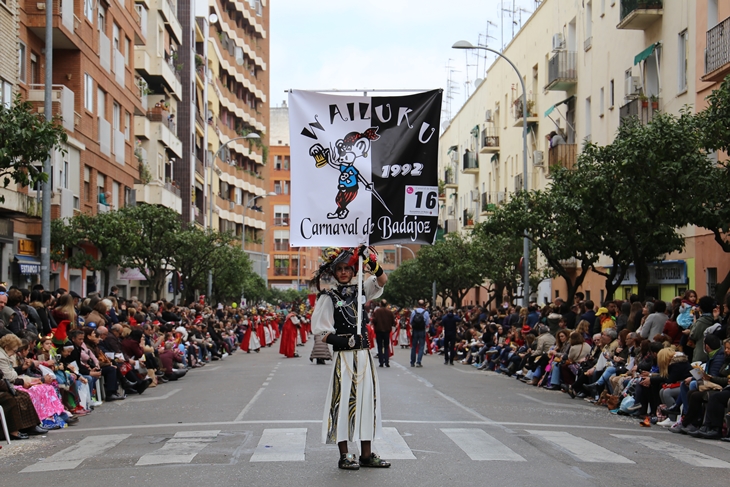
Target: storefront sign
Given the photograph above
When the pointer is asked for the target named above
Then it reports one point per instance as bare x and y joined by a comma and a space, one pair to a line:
130, 275
27, 247
660, 273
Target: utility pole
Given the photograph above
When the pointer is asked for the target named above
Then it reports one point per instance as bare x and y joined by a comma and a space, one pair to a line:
47, 167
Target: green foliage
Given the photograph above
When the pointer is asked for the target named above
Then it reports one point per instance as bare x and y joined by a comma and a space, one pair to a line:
408, 283
276, 296
233, 275
26, 138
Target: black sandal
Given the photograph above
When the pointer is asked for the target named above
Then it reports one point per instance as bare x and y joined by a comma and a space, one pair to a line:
347, 462
373, 461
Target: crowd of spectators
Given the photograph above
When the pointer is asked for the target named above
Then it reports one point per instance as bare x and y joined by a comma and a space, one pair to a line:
664, 363
62, 355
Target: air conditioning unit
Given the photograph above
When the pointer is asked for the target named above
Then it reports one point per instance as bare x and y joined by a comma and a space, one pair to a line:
488, 116
519, 183
450, 210
558, 42
474, 195
633, 86
538, 157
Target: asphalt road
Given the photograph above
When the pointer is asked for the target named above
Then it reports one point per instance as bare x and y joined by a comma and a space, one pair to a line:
255, 419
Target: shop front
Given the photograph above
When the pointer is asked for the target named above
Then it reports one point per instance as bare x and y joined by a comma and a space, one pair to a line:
667, 280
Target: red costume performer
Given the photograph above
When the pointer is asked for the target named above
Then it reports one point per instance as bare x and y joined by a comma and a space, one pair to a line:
288, 344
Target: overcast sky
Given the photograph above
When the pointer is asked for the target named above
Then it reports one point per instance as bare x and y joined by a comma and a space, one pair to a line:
382, 44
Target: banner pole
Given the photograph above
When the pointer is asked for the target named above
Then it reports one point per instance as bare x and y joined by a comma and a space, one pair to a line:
359, 294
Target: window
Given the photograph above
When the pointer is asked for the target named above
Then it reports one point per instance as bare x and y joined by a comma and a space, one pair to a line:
628, 83
22, 67
6, 93
611, 94
711, 274
277, 187
88, 92
63, 172
281, 265
127, 47
115, 195
281, 215
100, 103
281, 239
100, 185
588, 120
87, 184
603, 8
116, 112
89, 10
601, 102
683, 53
115, 36
127, 123
101, 19
589, 25
35, 69
285, 187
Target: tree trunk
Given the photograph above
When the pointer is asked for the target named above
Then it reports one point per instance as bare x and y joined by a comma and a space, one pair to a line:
642, 278
106, 274
721, 289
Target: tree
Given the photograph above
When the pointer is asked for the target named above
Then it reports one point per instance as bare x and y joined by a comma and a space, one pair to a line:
714, 212
109, 232
453, 264
26, 138
407, 284
151, 245
499, 257
232, 275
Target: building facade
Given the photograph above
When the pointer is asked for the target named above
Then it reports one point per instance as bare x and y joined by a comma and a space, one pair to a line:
585, 66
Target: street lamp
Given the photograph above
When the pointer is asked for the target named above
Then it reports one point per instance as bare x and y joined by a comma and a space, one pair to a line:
400, 257
249, 205
526, 242
251, 136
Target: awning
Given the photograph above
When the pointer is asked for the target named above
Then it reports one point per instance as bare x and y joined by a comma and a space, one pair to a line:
644, 54
28, 265
550, 110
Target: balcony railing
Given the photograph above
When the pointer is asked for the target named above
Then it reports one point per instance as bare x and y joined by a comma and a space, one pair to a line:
563, 155
470, 162
281, 222
489, 140
488, 202
640, 14
105, 137
119, 68
717, 52
531, 110
61, 95
105, 52
644, 110
173, 189
562, 72
119, 146
449, 178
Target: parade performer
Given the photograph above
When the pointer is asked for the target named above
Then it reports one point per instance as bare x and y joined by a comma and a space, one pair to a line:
352, 407
289, 334
404, 330
250, 338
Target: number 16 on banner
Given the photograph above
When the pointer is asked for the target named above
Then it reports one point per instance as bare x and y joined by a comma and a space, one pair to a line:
421, 200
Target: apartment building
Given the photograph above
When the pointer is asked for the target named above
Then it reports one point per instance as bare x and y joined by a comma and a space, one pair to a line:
585, 66
290, 267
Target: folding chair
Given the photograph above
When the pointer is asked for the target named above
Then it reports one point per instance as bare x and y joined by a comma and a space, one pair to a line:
5, 425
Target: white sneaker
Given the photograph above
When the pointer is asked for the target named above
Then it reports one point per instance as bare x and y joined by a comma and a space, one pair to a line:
225, 354
96, 403
666, 423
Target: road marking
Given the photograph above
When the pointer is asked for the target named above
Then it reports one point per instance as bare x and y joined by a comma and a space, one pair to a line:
145, 399
557, 404
281, 445
721, 444
478, 445
211, 368
249, 405
181, 448
580, 448
681, 453
71, 457
393, 446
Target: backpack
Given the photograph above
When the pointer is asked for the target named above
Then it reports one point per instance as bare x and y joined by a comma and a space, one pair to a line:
418, 323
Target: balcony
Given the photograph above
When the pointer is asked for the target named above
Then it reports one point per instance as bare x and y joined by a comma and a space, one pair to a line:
102, 208
140, 17
157, 67
488, 203
105, 52
65, 22
105, 137
489, 140
119, 67
156, 193
640, 14
119, 146
168, 9
158, 127
63, 102
717, 52
199, 167
449, 179
562, 71
644, 110
281, 222
470, 163
563, 155
519, 112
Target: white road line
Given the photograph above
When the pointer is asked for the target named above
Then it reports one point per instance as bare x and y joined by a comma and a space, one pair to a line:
210, 368
478, 445
580, 448
681, 453
71, 457
281, 445
181, 448
249, 405
393, 446
557, 404
145, 399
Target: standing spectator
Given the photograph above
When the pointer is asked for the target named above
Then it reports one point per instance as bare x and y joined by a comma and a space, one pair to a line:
449, 322
654, 324
420, 320
697, 332
383, 323
590, 314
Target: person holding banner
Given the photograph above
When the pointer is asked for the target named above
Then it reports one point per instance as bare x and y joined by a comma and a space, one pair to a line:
352, 407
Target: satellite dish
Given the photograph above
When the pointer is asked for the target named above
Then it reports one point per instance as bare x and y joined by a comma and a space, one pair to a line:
445, 125
213, 18
478, 81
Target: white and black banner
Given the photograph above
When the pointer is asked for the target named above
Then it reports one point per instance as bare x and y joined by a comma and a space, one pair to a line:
364, 169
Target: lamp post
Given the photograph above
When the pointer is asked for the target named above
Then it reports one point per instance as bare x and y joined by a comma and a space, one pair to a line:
249, 205
399, 246
526, 242
250, 136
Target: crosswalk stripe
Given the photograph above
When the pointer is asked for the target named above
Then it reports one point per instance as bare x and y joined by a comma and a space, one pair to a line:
181, 448
281, 445
581, 449
392, 446
478, 445
71, 457
681, 453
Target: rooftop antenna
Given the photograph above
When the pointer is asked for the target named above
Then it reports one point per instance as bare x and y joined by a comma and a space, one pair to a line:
480, 53
520, 10
451, 88
467, 82
511, 13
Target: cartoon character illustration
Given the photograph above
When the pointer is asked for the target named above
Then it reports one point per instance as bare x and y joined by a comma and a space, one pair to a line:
342, 157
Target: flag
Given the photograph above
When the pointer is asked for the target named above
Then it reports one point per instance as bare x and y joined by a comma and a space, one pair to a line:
364, 169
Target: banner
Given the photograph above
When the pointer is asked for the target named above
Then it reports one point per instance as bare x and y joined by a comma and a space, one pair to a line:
364, 169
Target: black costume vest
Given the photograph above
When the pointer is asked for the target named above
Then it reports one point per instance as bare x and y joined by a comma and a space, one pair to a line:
344, 302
